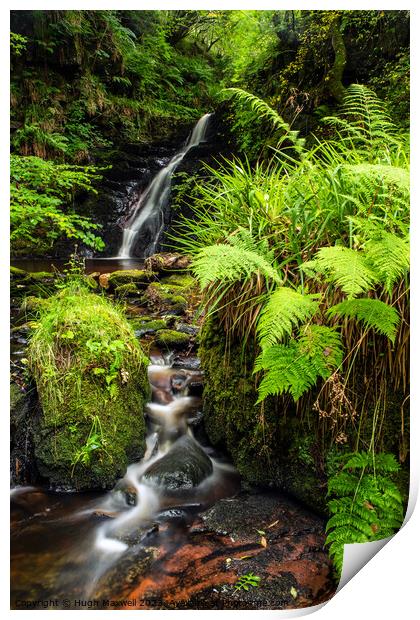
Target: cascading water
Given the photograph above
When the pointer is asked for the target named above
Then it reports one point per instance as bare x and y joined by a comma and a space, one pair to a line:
175, 471
89, 543
148, 211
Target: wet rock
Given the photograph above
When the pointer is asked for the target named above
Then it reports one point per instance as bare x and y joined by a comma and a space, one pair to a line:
179, 381
184, 467
186, 363
127, 491
184, 328
170, 339
223, 544
166, 261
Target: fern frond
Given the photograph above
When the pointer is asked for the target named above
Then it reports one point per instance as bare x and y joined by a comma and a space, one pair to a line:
373, 313
344, 267
228, 263
389, 175
297, 367
390, 257
367, 506
365, 110
285, 309
263, 110
352, 520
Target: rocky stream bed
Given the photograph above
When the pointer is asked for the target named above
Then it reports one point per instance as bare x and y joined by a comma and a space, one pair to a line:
181, 528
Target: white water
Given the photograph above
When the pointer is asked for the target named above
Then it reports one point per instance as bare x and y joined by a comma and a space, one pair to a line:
148, 211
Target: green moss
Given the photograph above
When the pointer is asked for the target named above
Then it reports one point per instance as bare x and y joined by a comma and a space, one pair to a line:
182, 280
171, 339
32, 305
127, 290
139, 277
91, 377
162, 297
268, 445
16, 273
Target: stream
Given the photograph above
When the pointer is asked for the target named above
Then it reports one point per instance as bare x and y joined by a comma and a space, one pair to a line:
175, 532
71, 543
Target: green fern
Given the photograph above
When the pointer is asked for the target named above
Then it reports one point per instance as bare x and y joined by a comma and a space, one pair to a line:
264, 111
390, 257
363, 116
367, 505
373, 313
344, 267
296, 367
284, 310
230, 263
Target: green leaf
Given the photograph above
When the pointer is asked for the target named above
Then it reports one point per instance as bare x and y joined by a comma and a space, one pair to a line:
373, 313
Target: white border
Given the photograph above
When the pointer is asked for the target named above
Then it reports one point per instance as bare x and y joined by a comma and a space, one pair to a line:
387, 586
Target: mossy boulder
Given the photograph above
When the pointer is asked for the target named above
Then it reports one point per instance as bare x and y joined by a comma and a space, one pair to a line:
170, 339
261, 439
165, 298
139, 277
91, 378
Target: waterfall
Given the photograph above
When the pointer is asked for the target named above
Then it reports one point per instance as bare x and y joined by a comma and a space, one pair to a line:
148, 211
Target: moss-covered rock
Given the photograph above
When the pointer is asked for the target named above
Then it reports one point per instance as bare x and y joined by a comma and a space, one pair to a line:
261, 439
147, 325
182, 280
127, 290
164, 298
37, 284
91, 377
170, 339
139, 277
17, 273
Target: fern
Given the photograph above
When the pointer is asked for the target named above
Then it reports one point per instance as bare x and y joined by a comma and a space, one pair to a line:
367, 505
373, 313
363, 116
264, 111
285, 309
296, 367
390, 257
229, 263
344, 267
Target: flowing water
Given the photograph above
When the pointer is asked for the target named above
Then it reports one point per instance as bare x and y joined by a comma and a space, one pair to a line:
147, 217
80, 547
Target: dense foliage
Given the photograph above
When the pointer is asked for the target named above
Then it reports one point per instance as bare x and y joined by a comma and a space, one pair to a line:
42, 193
299, 240
308, 256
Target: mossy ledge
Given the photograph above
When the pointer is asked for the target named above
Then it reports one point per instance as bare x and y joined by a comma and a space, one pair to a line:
91, 378
262, 440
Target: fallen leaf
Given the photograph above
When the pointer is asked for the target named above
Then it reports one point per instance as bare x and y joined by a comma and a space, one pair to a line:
293, 592
273, 524
263, 541
261, 532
